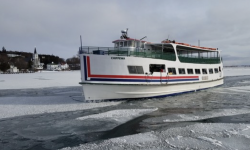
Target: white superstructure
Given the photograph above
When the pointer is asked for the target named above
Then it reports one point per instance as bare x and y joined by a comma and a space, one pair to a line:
137, 69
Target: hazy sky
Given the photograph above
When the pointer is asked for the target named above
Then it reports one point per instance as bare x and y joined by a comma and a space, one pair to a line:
54, 26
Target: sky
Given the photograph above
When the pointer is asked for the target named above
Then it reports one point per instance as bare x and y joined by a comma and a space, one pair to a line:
54, 26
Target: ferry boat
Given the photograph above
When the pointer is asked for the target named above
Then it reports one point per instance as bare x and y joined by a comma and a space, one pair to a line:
136, 68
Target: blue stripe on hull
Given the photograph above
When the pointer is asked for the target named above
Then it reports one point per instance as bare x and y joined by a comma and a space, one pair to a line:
138, 80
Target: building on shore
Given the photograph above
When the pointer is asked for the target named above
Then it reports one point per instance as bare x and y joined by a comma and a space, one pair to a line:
13, 69
57, 67
52, 67
64, 66
37, 65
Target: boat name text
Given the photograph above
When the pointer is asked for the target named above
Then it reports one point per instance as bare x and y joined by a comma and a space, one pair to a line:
117, 57
204, 77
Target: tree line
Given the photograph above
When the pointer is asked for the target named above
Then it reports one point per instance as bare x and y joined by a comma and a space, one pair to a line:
23, 60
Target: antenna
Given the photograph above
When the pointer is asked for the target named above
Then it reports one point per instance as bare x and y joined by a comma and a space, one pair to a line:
198, 42
143, 38
124, 34
81, 42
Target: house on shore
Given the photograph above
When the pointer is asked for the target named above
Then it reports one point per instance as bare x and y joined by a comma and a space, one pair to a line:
52, 67
57, 67
64, 66
13, 69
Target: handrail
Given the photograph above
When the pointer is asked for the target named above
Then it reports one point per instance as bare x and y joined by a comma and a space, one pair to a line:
133, 52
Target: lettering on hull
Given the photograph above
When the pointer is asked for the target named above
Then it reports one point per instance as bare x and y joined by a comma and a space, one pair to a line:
121, 58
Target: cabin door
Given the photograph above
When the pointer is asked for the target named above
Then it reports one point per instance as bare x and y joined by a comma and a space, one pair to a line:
163, 77
159, 71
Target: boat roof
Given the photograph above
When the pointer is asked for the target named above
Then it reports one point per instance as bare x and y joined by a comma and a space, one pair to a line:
166, 42
187, 47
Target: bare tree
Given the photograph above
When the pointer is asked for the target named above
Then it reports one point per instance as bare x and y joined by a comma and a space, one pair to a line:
4, 62
19, 62
3, 50
74, 63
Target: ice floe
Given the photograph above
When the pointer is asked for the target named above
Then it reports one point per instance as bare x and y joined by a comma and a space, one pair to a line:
20, 106
203, 136
204, 115
119, 115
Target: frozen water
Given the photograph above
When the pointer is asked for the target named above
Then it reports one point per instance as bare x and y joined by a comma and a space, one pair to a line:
236, 71
40, 80
197, 136
45, 111
119, 115
20, 106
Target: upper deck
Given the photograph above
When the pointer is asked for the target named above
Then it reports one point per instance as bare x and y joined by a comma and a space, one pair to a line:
166, 50
170, 52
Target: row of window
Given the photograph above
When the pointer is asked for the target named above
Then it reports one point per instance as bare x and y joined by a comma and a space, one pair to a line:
171, 71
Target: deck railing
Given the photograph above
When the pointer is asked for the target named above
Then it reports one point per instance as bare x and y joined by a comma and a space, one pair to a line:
199, 60
133, 52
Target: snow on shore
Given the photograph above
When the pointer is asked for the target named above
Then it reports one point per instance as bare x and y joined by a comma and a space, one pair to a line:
40, 80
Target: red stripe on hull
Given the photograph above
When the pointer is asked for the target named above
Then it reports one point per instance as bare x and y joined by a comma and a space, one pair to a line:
133, 77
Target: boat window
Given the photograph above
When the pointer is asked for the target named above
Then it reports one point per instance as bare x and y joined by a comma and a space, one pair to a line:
121, 44
125, 43
197, 71
211, 71
195, 54
204, 71
157, 68
139, 70
181, 71
136, 44
129, 43
133, 43
135, 70
190, 71
168, 49
117, 44
171, 71
215, 70
142, 45
166, 52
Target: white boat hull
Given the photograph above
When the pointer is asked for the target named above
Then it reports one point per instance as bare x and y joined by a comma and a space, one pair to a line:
112, 91
114, 76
